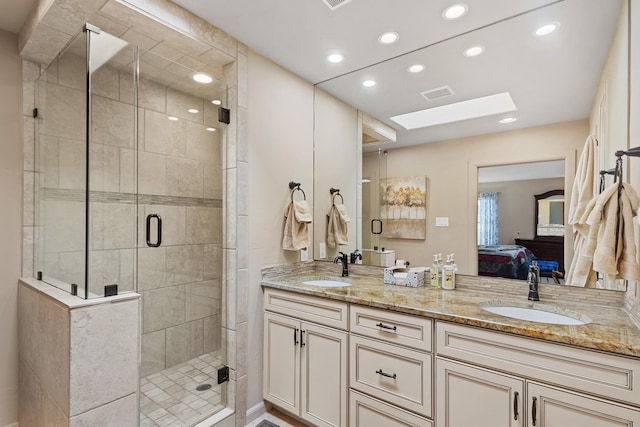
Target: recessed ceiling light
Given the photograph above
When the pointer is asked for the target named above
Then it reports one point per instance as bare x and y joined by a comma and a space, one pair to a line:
388, 38
335, 58
508, 120
455, 11
416, 68
211, 129
172, 118
202, 78
369, 83
474, 51
216, 102
365, 180
547, 29
193, 110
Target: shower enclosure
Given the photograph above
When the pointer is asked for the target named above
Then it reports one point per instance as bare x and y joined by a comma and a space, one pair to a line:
128, 197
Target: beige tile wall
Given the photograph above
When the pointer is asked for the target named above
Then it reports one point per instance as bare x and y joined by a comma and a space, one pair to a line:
57, 351
178, 35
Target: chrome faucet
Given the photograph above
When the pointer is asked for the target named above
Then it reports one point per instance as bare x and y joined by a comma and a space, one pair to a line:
532, 280
345, 262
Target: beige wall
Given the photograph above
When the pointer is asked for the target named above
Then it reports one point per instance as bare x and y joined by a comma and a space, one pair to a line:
280, 135
634, 122
11, 223
634, 89
451, 171
336, 156
516, 205
609, 119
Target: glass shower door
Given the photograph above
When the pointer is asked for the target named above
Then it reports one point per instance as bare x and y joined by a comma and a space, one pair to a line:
374, 213
180, 250
85, 185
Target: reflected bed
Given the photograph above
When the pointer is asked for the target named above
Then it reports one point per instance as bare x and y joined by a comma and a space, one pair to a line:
510, 261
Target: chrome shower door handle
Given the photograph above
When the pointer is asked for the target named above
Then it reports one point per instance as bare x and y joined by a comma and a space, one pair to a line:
159, 234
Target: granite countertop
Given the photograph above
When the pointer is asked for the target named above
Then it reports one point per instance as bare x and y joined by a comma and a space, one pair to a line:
611, 329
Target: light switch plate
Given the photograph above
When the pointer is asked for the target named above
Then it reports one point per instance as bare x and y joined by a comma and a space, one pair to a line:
323, 250
304, 254
442, 221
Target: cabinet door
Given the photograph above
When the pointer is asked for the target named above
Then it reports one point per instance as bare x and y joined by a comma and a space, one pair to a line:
469, 396
281, 383
323, 376
552, 407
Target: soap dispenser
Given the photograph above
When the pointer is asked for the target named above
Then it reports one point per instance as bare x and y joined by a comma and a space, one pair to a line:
435, 272
449, 274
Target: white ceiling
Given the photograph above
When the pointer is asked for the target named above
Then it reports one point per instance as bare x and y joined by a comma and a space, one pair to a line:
551, 79
13, 13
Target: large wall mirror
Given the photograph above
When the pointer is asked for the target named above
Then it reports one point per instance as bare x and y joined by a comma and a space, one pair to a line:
590, 73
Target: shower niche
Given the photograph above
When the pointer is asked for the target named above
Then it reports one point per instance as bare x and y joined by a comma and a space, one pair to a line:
128, 197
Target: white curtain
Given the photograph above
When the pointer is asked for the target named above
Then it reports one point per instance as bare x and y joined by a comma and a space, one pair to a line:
488, 218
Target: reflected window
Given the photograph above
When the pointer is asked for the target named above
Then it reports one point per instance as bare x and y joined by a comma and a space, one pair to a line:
488, 218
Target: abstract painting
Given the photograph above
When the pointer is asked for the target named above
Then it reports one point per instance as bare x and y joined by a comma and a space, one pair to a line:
404, 207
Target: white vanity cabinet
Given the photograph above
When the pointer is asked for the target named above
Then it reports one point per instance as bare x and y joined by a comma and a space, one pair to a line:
554, 407
494, 374
471, 396
390, 368
305, 357
335, 364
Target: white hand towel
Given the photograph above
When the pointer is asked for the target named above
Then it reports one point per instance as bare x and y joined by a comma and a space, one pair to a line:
337, 233
342, 211
296, 234
599, 252
302, 211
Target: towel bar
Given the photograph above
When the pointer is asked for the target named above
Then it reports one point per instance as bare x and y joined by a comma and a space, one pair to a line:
295, 186
335, 192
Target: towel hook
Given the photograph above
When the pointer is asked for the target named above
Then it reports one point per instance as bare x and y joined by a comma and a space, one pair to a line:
611, 171
295, 186
335, 192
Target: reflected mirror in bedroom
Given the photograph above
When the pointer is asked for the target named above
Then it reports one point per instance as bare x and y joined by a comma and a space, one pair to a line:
508, 237
549, 216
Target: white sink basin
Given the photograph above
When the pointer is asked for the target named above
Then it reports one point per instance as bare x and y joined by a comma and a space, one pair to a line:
542, 314
327, 283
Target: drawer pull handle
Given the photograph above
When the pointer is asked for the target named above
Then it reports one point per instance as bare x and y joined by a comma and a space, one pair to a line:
384, 374
383, 326
515, 406
295, 336
534, 409
302, 343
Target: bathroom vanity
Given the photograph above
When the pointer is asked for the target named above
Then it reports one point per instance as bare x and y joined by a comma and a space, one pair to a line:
371, 354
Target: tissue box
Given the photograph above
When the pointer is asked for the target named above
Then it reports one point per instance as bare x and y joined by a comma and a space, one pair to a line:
410, 277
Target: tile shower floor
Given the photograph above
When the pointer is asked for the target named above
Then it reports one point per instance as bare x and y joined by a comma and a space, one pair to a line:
170, 397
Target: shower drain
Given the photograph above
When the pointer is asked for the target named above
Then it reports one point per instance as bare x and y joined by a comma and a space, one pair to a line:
203, 387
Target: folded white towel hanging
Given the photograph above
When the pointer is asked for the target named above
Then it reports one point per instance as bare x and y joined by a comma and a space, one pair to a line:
337, 233
296, 233
302, 211
342, 211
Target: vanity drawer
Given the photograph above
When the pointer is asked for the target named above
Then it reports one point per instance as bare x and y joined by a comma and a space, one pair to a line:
607, 375
318, 310
397, 328
365, 411
398, 375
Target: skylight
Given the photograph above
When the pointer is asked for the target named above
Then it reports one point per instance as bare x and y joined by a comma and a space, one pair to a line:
471, 109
